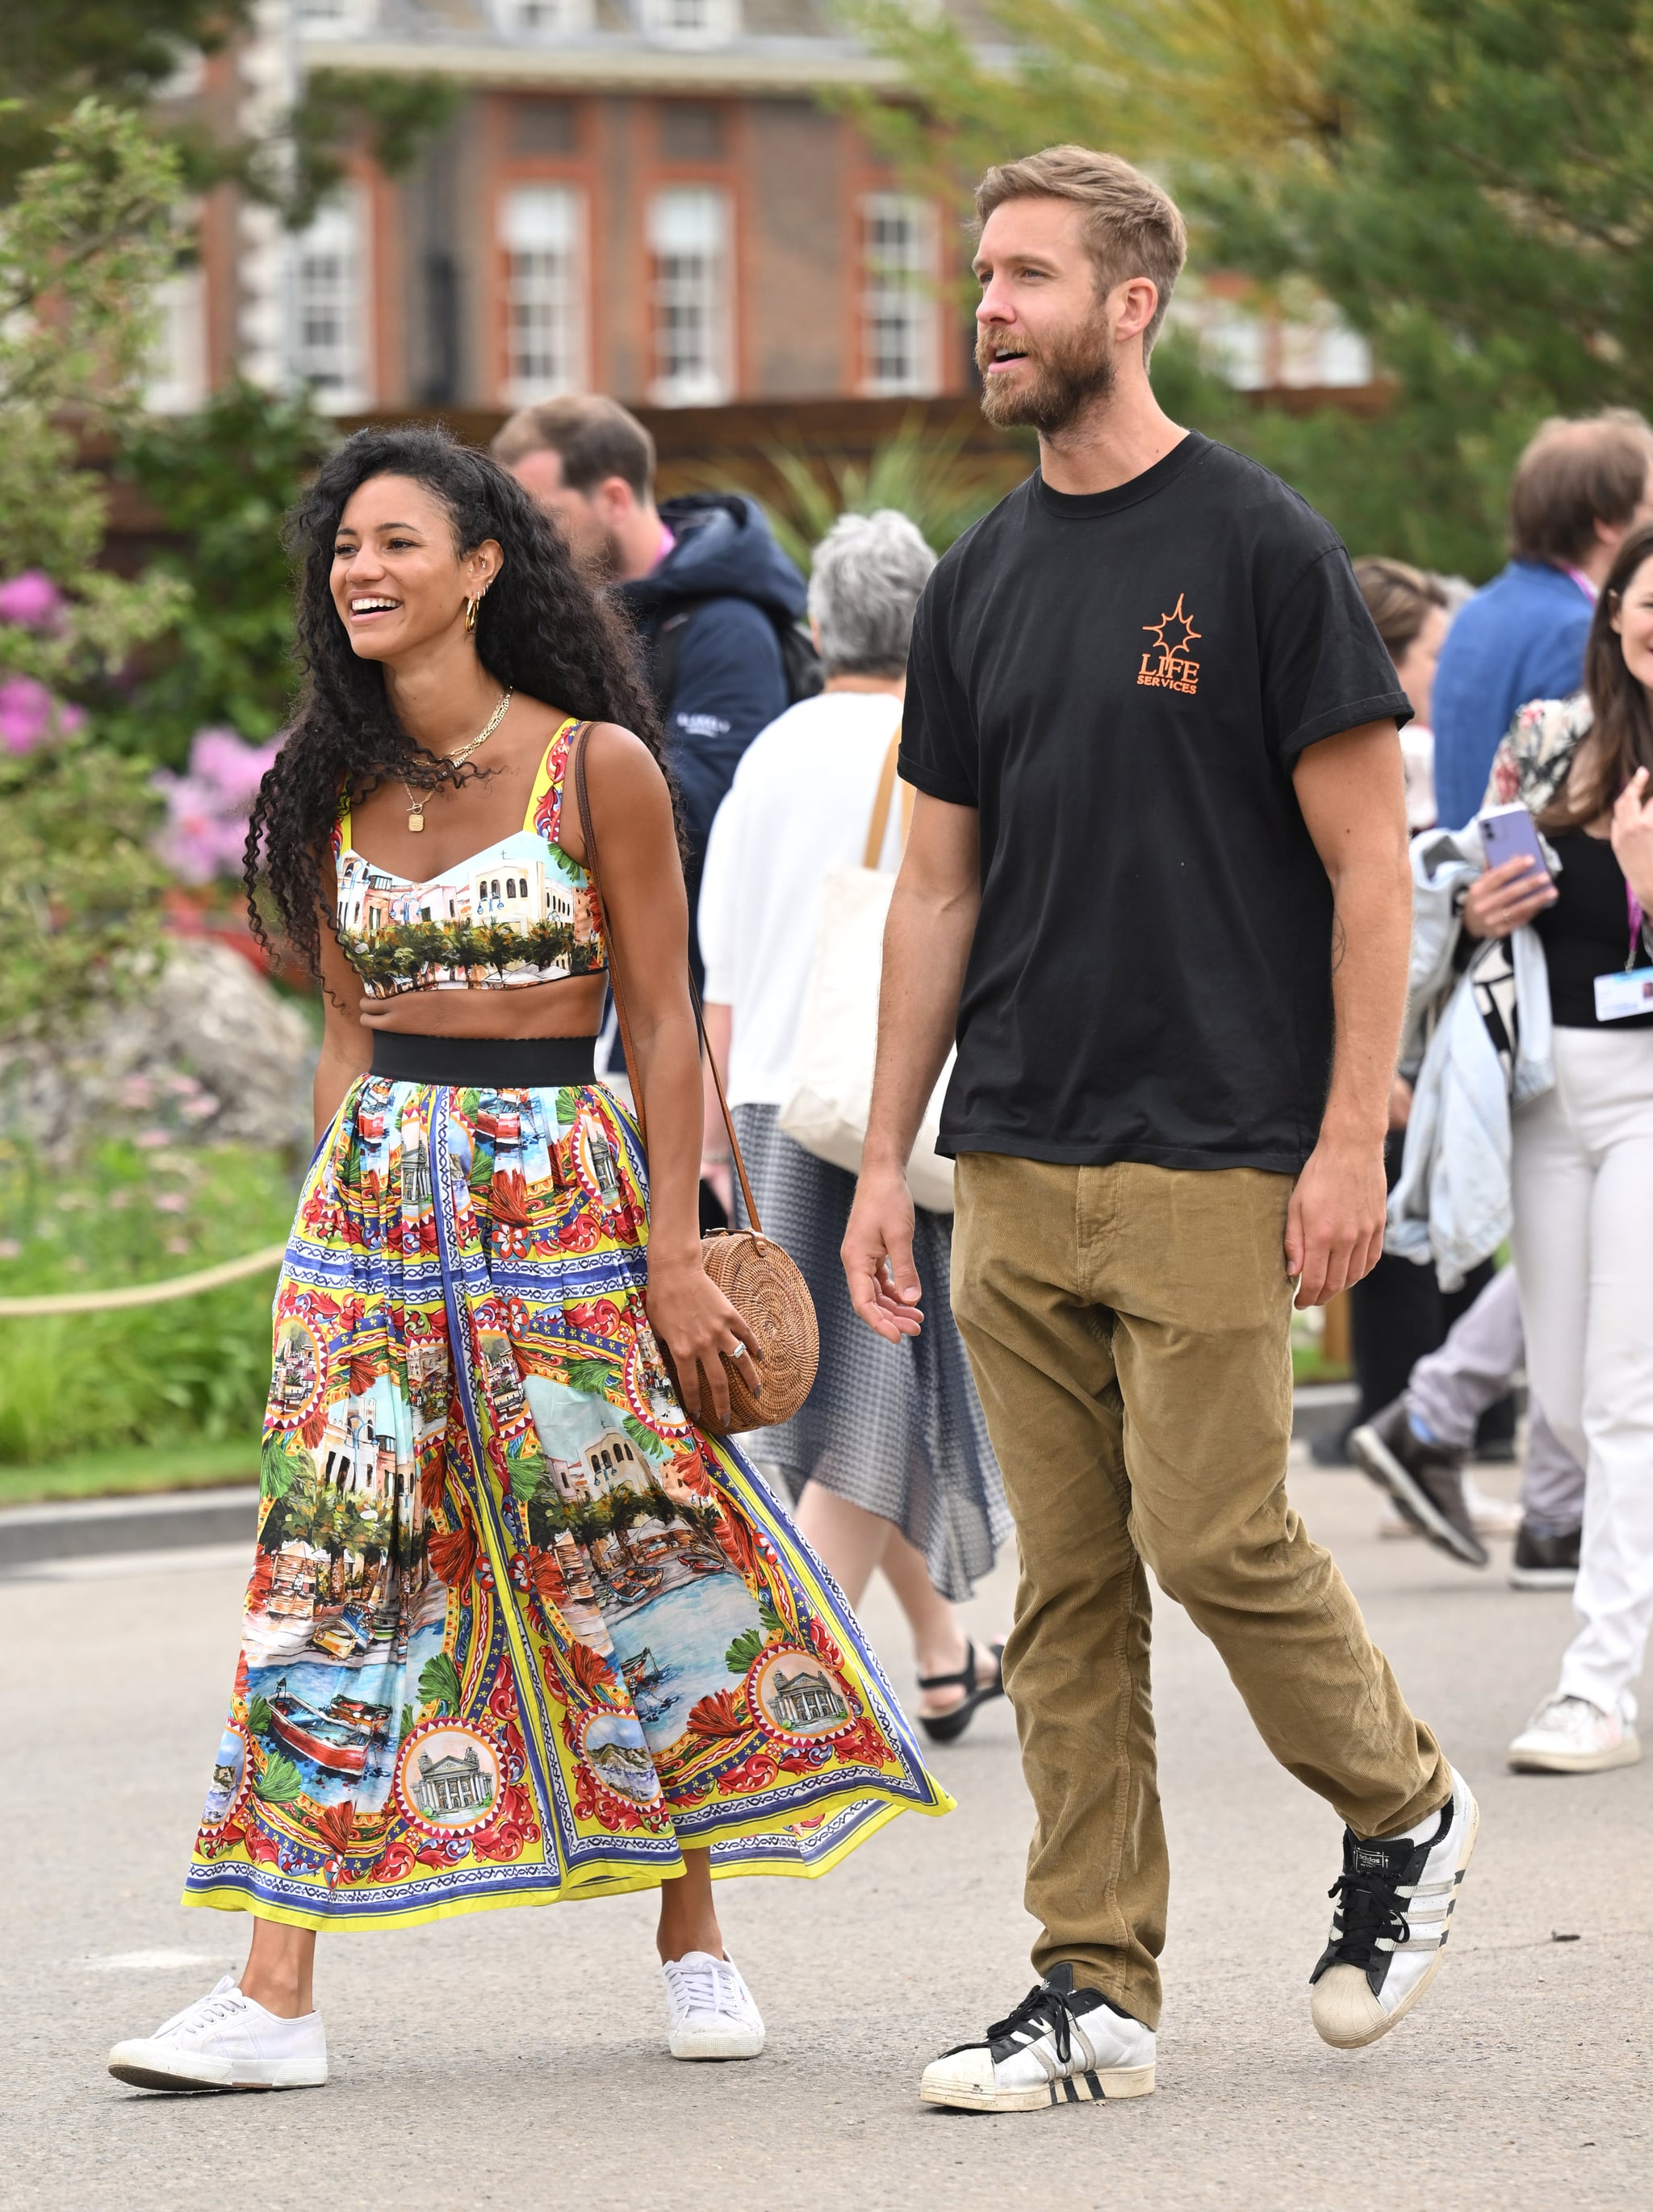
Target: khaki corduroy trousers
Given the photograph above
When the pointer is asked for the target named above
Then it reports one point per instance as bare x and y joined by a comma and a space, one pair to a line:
1129, 1330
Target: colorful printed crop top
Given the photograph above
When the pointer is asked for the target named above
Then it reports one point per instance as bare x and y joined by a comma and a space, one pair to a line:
522, 912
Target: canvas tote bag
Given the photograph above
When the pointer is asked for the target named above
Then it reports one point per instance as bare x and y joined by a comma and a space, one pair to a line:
837, 1036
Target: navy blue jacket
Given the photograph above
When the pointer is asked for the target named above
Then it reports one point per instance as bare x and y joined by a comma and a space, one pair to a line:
1521, 637
730, 682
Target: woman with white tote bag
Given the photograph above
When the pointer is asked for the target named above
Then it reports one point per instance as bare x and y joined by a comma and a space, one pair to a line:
889, 1458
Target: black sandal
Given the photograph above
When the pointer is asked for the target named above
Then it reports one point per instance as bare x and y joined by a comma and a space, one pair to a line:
948, 1726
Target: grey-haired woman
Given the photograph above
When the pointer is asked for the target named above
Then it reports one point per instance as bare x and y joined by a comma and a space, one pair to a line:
889, 1458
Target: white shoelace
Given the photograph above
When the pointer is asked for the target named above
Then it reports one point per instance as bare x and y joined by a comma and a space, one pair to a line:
219, 2003
708, 1985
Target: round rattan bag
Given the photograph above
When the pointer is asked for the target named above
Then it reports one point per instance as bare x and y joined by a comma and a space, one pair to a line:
765, 1285
763, 1282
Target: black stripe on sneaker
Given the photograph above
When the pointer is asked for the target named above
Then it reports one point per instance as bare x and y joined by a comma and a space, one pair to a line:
1094, 2086
1073, 2089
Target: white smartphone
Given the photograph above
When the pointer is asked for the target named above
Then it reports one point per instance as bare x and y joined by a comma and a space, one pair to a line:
1510, 833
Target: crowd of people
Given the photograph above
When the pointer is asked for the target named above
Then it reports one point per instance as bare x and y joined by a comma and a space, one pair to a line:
1194, 850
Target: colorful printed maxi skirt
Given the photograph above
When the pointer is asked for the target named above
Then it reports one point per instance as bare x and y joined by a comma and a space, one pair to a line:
516, 1630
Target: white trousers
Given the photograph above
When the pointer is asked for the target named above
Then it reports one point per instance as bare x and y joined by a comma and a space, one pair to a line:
1583, 1250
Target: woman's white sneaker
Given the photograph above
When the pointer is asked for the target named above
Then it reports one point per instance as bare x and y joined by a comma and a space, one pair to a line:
1569, 1735
225, 2041
1394, 1901
1060, 2046
713, 2014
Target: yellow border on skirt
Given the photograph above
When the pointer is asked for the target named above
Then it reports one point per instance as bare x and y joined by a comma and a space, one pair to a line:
232, 1898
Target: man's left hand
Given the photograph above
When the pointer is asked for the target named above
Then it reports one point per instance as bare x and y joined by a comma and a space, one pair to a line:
1335, 1225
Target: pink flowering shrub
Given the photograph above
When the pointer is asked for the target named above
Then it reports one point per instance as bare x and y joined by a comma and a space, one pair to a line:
207, 807
30, 716
32, 601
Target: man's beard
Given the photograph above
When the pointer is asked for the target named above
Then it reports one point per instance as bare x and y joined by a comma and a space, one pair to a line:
603, 560
1068, 372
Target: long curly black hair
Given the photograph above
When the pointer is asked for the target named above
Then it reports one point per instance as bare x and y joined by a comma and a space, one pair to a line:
541, 628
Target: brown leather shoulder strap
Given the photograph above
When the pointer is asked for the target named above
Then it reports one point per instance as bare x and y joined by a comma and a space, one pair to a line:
595, 872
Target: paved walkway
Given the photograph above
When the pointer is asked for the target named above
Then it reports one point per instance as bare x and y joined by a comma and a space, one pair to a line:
515, 2060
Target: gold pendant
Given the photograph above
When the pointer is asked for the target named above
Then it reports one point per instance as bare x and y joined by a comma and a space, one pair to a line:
416, 817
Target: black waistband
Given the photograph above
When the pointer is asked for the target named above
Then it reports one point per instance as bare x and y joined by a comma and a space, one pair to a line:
486, 1063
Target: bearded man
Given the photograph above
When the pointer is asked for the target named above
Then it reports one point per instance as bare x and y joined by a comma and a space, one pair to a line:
1157, 886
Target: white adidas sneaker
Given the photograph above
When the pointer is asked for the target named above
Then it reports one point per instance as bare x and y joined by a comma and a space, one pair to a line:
1060, 2046
1394, 1901
713, 2013
225, 2041
1569, 1735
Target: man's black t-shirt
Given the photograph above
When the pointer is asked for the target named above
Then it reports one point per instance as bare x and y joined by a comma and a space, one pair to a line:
1121, 684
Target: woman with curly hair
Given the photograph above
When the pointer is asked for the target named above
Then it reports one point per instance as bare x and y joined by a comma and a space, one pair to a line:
520, 1628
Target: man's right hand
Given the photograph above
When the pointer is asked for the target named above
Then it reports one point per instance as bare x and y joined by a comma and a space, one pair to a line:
1507, 896
877, 1255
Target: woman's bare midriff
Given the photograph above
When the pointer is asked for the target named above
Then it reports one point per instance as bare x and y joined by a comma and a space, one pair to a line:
573, 1006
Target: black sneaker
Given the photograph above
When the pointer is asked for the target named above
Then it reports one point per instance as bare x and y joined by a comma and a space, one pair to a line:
1424, 1480
1394, 1900
1060, 2046
1544, 1562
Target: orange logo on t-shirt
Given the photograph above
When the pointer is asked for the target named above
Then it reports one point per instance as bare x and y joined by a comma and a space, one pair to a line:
1165, 664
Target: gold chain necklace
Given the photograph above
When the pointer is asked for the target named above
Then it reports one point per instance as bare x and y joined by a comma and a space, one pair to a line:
417, 800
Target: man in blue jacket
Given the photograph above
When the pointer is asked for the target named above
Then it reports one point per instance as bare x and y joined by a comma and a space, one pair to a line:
1578, 488
711, 593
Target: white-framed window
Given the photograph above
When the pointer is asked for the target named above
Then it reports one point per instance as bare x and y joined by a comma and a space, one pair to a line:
899, 307
329, 347
542, 19
178, 375
690, 22
334, 19
542, 229
689, 233
1236, 344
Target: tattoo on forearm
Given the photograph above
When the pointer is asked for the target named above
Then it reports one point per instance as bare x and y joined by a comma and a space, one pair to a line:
1340, 942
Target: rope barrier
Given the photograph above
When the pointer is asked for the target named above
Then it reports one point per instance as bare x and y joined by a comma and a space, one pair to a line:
147, 1294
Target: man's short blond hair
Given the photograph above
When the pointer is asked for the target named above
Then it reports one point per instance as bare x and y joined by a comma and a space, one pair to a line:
1132, 227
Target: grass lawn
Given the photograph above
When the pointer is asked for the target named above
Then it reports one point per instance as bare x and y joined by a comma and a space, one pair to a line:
186, 1466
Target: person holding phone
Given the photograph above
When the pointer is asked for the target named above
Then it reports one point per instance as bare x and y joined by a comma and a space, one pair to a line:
1584, 1151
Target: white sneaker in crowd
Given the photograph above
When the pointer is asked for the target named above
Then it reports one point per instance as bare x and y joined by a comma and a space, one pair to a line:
713, 2014
1394, 1901
1060, 2046
225, 2041
1569, 1735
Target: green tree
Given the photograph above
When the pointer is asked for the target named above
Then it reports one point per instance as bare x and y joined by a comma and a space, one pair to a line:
57, 55
220, 482
1250, 84
1486, 221
1467, 184
88, 234
126, 55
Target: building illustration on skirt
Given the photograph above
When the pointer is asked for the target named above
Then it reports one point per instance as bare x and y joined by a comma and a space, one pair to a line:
453, 1784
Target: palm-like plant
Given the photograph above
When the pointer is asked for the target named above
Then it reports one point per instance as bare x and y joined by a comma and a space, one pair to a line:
925, 475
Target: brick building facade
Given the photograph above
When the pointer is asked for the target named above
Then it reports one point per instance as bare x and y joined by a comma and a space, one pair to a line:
641, 197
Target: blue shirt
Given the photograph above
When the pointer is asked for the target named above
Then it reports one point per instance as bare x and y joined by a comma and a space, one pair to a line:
1521, 638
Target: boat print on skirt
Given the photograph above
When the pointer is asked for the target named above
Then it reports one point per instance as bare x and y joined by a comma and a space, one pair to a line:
516, 1630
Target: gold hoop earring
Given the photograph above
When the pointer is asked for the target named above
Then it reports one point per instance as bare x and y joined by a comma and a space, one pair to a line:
471, 606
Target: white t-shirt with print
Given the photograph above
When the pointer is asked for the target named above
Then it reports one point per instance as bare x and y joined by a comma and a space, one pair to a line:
801, 801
